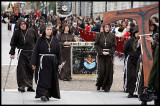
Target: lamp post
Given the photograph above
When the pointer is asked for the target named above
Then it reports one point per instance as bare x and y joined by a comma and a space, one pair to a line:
46, 8
49, 7
106, 7
80, 9
91, 9
43, 8
75, 7
131, 4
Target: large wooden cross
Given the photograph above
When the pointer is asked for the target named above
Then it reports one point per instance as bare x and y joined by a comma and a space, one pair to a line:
141, 16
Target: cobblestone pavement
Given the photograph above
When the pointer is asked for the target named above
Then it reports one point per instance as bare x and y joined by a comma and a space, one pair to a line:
78, 83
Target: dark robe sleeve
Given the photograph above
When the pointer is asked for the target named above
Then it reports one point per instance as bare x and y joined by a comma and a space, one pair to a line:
36, 31
136, 47
34, 35
114, 45
14, 42
153, 80
35, 53
126, 47
60, 40
77, 32
59, 54
73, 40
97, 45
155, 41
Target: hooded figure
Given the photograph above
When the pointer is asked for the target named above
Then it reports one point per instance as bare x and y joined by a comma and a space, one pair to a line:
154, 40
24, 39
155, 26
35, 28
45, 60
64, 41
105, 45
155, 36
131, 59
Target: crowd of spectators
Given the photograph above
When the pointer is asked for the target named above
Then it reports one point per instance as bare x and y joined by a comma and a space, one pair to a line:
119, 28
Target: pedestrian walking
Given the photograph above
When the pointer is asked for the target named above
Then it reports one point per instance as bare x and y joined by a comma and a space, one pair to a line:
45, 61
34, 27
105, 44
154, 40
64, 40
24, 39
131, 60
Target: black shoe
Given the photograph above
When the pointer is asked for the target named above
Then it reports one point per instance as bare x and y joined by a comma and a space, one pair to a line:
130, 95
30, 89
106, 90
98, 88
47, 98
135, 96
68, 79
21, 89
44, 98
144, 103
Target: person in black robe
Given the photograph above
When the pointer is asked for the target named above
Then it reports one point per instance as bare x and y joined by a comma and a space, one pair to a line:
153, 80
105, 44
29, 22
42, 27
24, 39
131, 60
35, 28
64, 41
45, 61
154, 39
54, 21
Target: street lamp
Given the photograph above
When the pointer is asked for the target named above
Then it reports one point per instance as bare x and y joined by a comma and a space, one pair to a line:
80, 9
131, 4
106, 7
91, 9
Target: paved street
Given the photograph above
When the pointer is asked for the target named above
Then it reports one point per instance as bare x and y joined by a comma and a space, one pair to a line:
71, 97
81, 90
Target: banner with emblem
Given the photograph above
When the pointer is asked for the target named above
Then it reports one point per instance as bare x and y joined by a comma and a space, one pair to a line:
64, 8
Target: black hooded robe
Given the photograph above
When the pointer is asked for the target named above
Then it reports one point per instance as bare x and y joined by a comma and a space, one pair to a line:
65, 73
46, 77
105, 63
136, 48
24, 69
132, 60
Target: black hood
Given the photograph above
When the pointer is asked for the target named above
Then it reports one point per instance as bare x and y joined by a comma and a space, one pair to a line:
22, 20
152, 23
54, 31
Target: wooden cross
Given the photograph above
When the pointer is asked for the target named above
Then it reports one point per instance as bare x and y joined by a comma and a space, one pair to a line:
141, 15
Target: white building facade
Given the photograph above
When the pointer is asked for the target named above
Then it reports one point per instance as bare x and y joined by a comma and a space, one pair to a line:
81, 8
103, 6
